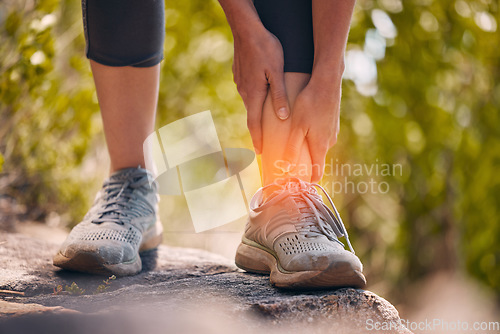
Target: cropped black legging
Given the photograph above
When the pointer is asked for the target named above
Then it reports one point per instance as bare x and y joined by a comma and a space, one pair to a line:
131, 32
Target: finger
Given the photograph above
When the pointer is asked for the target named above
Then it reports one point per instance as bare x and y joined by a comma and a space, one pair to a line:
292, 151
255, 105
333, 139
278, 95
318, 148
236, 69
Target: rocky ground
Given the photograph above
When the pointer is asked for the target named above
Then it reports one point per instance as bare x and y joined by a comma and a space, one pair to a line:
180, 290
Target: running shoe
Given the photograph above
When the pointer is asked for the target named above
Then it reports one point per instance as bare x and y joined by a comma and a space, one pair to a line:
294, 236
122, 222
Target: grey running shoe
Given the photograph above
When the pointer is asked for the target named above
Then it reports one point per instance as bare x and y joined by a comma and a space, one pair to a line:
122, 222
293, 236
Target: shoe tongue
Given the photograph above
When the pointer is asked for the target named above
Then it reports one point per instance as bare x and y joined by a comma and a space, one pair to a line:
117, 180
295, 185
292, 186
302, 205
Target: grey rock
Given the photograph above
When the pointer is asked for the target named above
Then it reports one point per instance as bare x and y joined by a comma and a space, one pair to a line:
179, 290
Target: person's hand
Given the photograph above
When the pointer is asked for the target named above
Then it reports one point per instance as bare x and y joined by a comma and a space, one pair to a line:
258, 68
315, 119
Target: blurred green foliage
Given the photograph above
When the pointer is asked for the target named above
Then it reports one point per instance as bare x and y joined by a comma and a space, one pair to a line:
47, 106
433, 109
436, 112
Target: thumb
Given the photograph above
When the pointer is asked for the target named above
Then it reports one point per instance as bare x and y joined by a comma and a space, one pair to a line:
278, 95
292, 151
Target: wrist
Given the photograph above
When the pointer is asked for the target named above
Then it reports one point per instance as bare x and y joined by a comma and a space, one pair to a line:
242, 18
328, 74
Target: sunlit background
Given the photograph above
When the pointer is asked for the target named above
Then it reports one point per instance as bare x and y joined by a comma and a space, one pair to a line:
421, 91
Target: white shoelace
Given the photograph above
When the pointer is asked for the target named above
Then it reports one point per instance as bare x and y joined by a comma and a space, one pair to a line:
117, 196
316, 217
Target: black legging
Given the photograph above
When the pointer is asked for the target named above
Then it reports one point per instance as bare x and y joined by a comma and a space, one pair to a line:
131, 32
291, 22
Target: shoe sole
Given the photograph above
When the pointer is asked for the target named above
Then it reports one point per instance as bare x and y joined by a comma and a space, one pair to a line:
90, 262
258, 259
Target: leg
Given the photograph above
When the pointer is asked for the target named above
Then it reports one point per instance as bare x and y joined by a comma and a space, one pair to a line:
291, 23
127, 97
291, 233
124, 43
275, 135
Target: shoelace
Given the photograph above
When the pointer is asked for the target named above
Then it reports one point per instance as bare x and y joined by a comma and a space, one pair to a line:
317, 218
117, 194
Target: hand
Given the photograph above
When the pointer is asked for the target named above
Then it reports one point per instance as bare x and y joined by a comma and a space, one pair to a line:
315, 119
257, 68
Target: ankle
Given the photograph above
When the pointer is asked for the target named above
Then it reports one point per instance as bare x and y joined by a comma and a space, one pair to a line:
117, 167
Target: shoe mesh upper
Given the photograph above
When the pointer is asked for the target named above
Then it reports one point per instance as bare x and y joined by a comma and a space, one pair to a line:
129, 236
316, 219
293, 245
125, 196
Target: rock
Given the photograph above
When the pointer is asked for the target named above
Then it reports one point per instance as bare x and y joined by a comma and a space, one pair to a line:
9, 309
179, 289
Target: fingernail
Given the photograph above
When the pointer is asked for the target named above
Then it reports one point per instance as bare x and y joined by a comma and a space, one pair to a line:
282, 113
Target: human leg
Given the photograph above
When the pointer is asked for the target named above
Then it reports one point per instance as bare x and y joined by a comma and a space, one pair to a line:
127, 97
275, 135
124, 44
291, 23
291, 234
